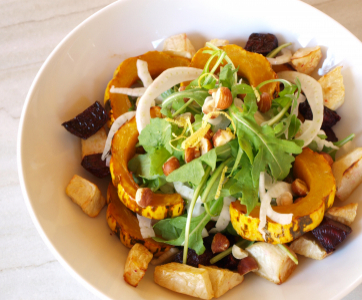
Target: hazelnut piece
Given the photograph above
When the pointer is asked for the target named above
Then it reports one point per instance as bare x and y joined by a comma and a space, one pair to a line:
209, 134
265, 102
221, 137
299, 188
219, 243
206, 146
170, 165
191, 153
223, 98
144, 197
246, 265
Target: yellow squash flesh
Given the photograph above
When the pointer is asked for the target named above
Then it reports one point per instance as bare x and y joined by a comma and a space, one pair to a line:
252, 66
315, 171
126, 75
124, 143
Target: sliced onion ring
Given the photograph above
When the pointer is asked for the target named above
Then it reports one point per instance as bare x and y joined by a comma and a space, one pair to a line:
282, 59
143, 73
165, 81
313, 91
115, 126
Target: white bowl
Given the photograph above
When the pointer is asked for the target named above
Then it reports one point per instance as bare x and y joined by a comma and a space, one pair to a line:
76, 74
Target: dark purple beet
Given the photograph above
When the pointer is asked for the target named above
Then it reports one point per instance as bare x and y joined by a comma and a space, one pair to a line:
95, 165
228, 262
330, 233
193, 259
88, 122
261, 43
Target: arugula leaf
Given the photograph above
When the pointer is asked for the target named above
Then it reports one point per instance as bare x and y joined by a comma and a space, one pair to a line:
156, 135
172, 230
270, 150
170, 91
149, 165
293, 127
197, 94
194, 170
226, 76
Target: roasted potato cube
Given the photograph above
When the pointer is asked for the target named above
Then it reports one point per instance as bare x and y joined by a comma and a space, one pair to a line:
136, 264
274, 264
333, 88
222, 280
218, 42
184, 279
86, 194
345, 214
347, 171
95, 143
308, 246
305, 60
179, 45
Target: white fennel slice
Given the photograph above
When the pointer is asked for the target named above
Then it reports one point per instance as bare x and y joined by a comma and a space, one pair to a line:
282, 59
165, 81
134, 92
313, 91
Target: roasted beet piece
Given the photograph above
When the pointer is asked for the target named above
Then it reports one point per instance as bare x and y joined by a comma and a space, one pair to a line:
88, 122
330, 233
246, 265
261, 43
95, 165
193, 259
330, 118
228, 262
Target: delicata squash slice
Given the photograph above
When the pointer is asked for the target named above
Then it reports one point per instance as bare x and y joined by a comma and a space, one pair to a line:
252, 66
126, 75
124, 142
125, 224
315, 171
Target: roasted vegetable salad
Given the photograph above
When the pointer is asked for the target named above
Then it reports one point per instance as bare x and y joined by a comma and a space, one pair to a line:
222, 162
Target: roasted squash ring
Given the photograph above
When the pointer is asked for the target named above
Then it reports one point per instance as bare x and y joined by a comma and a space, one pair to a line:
252, 66
123, 149
125, 224
315, 171
126, 75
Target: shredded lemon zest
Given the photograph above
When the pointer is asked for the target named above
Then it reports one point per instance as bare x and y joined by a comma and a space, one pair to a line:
182, 122
217, 113
194, 139
190, 125
221, 183
257, 95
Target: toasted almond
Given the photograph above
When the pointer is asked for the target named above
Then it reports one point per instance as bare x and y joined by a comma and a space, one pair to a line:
265, 102
285, 198
191, 153
143, 197
219, 243
221, 137
206, 146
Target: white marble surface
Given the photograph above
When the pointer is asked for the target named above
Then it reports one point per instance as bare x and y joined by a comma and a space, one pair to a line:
29, 31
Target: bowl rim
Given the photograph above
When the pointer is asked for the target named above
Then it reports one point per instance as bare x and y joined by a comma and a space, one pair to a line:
19, 148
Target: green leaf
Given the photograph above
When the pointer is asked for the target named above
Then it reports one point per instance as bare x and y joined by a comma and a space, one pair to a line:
172, 230
197, 94
156, 135
293, 127
271, 151
226, 76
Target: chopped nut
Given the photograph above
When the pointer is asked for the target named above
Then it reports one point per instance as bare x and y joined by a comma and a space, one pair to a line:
285, 198
327, 157
246, 265
265, 102
186, 115
209, 134
219, 243
206, 146
299, 188
143, 197
191, 153
222, 137
223, 98
238, 252
170, 165
209, 105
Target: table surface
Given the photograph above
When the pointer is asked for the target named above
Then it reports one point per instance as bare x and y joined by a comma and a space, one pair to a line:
29, 31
